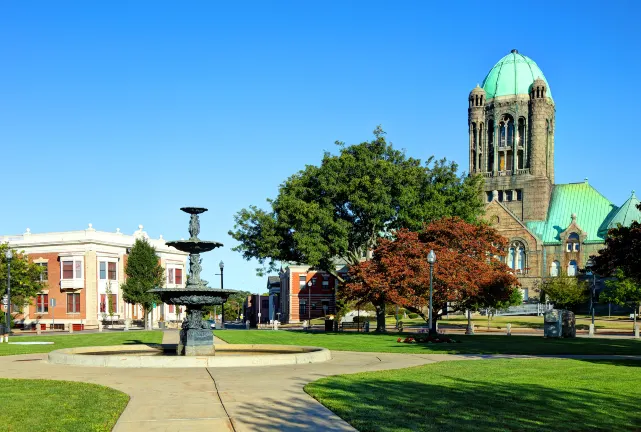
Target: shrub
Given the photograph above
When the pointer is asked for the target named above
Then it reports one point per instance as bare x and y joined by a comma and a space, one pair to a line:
412, 315
363, 319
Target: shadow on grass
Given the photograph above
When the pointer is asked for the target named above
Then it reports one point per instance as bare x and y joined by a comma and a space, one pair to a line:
448, 402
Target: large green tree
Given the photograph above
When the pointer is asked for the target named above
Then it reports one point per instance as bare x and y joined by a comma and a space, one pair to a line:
144, 273
25, 278
622, 251
340, 209
622, 290
565, 291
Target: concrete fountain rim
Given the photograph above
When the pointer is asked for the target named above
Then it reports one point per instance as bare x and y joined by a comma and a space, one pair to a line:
297, 355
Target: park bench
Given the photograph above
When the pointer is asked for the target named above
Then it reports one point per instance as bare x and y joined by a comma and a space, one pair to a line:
352, 326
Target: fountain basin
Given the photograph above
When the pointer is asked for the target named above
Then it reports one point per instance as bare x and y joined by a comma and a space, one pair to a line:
164, 356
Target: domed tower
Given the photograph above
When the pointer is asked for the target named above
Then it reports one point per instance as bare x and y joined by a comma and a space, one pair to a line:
512, 136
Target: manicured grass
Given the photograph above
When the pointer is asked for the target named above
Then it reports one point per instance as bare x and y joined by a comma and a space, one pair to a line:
523, 321
486, 344
93, 339
582, 322
40, 405
489, 395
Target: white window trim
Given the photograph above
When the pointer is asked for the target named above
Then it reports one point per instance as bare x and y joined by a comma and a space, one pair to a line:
174, 267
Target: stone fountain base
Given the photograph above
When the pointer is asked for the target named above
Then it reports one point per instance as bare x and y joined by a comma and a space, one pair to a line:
196, 338
196, 342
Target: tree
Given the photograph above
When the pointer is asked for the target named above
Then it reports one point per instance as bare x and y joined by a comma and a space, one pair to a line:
144, 273
623, 291
110, 305
25, 278
340, 209
233, 306
465, 275
622, 251
565, 291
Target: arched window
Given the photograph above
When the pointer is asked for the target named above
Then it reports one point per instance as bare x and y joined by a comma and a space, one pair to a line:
572, 268
516, 256
573, 244
554, 268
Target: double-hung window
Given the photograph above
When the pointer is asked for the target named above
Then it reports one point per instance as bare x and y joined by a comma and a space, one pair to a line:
73, 303
44, 271
42, 303
71, 269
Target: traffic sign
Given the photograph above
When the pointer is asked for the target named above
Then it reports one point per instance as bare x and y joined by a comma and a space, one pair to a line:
52, 302
5, 301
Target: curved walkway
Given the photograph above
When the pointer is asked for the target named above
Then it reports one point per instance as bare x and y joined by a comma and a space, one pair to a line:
233, 399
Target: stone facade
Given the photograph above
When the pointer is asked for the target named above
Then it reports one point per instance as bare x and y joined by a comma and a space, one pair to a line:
511, 142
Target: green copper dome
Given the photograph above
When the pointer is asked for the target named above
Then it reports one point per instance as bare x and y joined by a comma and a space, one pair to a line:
513, 75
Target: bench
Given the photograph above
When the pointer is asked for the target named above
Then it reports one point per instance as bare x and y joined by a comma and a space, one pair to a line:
56, 326
352, 326
77, 327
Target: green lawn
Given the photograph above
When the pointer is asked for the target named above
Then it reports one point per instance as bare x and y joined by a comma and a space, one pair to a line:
489, 395
486, 344
40, 405
93, 339
582, 322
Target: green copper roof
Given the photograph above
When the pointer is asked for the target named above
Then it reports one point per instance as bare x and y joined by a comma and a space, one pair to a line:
627, 213
593, 213
513, 75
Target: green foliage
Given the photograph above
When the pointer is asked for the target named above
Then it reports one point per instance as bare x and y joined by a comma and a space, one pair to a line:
622, 251
565, 291
363, 318
144, 273
412, 315
25, 278
339, 210
622, 290
233, 306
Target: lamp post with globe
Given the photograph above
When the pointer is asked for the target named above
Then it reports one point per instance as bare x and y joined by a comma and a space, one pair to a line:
431, 258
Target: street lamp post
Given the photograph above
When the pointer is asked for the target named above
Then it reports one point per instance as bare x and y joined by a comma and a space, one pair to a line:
221, 265
7, 319
431, 258
590, 265
309, 306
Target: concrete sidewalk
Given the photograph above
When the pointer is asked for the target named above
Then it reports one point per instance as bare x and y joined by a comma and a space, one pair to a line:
234, 399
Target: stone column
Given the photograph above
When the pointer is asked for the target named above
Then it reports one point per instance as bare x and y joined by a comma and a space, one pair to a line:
91, 288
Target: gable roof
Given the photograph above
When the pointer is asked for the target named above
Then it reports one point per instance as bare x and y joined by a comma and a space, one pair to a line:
593, 213
627, 213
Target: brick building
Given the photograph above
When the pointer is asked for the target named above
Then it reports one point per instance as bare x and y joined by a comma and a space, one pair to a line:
551, 228
306, 293
83, 271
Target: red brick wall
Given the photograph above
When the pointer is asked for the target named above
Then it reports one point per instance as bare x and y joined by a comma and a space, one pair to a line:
53, 285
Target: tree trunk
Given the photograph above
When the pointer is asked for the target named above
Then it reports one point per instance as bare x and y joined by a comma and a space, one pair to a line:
380, 317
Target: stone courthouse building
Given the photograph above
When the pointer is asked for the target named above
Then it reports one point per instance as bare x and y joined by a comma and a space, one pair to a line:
551, 228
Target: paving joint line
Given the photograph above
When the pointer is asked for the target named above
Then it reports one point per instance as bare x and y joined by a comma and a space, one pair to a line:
231, 421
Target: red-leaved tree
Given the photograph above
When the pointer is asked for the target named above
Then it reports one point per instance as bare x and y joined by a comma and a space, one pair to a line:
467, 273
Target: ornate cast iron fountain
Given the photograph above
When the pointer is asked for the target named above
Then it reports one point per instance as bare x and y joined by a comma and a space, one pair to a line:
196, 336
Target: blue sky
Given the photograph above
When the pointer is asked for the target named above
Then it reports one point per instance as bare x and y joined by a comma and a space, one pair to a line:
118, 113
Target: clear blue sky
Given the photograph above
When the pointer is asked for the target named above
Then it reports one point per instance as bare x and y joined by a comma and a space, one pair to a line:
118, 113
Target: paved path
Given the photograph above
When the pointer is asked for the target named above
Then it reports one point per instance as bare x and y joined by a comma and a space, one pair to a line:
225, 399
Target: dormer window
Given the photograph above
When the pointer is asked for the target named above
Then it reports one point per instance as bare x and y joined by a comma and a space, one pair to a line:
573, 244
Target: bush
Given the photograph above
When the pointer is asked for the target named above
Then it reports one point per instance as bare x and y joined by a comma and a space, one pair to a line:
412, 315
363, 319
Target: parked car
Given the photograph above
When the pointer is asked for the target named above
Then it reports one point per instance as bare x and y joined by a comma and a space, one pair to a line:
212, 323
